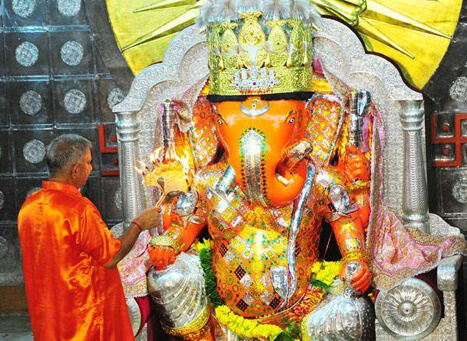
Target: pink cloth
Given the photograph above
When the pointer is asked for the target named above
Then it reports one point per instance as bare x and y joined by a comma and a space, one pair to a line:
401, 252
134, 266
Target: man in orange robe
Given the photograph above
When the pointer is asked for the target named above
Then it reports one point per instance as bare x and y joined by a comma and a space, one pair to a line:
69, 255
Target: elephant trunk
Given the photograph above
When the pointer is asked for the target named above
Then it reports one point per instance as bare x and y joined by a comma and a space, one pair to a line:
268, 178
294, 155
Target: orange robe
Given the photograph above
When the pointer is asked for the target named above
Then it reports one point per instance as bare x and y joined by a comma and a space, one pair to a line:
65, 246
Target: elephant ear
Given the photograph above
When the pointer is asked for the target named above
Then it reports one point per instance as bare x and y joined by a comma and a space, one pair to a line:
326, 117
203, 138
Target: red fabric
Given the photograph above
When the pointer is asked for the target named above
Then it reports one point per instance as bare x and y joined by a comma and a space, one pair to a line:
65, 246
145, 308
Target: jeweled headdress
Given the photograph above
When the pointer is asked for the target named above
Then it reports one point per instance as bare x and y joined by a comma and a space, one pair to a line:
259, 47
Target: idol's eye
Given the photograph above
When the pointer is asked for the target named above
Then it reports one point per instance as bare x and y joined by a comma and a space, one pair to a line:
291, 117
220, 120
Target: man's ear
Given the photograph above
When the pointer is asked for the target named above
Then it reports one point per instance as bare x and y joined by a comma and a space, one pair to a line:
74, 171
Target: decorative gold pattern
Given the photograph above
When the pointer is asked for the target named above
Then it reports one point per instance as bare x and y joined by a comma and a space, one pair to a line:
165, 240
204, 334
194, 326
356, 255
324, 126
258, 62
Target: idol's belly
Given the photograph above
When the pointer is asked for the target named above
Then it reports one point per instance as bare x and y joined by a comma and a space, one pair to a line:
251, 270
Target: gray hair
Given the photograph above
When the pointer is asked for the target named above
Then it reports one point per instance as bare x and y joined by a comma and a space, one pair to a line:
64, 151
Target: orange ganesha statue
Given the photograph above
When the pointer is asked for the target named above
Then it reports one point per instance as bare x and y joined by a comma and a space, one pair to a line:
285, 156
294, 200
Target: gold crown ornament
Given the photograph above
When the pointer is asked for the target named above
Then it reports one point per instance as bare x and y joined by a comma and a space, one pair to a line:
259, 47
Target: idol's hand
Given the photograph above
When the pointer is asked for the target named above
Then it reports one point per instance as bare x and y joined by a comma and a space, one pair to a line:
358, 276
161, 256
355, 166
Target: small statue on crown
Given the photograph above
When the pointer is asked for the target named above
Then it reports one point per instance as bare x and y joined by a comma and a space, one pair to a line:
284, 157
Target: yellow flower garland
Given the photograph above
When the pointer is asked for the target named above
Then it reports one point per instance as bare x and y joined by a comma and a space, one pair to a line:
326, 272
244, 327
205, 244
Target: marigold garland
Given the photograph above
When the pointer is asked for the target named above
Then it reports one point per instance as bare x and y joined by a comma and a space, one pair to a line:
246, 328
324, 273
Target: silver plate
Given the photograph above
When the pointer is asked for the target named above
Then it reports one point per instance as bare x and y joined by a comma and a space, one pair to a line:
27, 54
409, 311
23, 8
30, 103
69, 8
34, 151
458, 90
75, 101
72, 53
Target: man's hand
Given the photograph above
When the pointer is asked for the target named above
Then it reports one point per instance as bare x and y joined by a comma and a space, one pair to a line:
148, 219
357, 274
161, 256
355, 166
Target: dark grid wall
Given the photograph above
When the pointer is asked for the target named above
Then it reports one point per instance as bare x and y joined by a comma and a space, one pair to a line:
52, 82
449, 154
447, 160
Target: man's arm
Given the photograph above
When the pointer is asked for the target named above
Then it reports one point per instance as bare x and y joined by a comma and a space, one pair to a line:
145, 221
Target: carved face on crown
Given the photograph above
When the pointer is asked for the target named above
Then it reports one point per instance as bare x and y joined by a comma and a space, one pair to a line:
265, 145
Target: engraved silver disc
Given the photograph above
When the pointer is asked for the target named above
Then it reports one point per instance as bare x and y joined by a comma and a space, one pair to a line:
30, 103
34, 151
72, 53
458, 90
69, 8
409, 311
75, 101
23, 8
459, 191
115, 96
26, 54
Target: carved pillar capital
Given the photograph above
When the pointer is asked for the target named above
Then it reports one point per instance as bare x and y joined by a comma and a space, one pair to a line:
412, 115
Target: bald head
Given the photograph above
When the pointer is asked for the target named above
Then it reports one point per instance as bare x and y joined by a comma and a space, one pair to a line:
65, 151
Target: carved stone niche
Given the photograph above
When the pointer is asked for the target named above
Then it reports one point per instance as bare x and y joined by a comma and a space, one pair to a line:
400, 180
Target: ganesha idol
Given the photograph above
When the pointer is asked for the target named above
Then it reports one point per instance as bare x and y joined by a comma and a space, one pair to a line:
272, 158
263, 196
